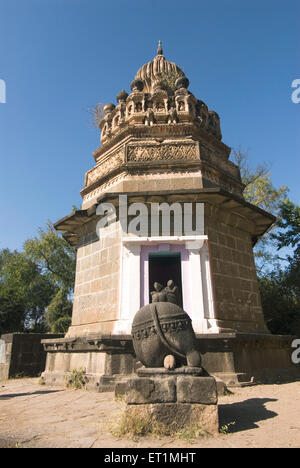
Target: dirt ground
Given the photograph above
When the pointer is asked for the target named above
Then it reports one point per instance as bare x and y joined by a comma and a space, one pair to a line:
38, 416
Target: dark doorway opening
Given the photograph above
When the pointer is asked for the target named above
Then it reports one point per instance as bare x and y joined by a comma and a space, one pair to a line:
164, 266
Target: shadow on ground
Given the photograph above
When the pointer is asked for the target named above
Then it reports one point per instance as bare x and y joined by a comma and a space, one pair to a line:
13, 395
245, 414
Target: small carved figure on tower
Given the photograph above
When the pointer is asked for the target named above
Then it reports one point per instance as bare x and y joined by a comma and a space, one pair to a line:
149, 119
172, 118
139, 107
160, 106
214, 124
181, 106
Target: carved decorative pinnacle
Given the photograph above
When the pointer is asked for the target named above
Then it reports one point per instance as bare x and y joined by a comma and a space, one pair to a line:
159, 49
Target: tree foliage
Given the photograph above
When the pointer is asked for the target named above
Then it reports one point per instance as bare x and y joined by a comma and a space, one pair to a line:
53, 255
288, 224
260, 191
96, 114
278, 272
24, 293
280, 290
39, 278
168, 81
59, 312
280, 305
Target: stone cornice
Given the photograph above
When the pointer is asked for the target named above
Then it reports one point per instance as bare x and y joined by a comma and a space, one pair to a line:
145, 154
146, 167
222, 199
93, 343
164, 131
210, 341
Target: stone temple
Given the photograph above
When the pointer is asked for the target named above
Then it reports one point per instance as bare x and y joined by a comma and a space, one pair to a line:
162, 145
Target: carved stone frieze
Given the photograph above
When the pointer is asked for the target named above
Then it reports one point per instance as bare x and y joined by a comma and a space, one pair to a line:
114, 161
165, 152
103, 186
167, 327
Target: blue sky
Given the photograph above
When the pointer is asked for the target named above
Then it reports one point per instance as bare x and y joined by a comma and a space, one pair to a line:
60, 57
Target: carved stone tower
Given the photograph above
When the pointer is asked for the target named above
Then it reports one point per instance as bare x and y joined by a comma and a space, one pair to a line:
162, 145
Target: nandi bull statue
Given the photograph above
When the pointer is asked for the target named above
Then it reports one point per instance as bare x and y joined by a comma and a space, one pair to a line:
162, 331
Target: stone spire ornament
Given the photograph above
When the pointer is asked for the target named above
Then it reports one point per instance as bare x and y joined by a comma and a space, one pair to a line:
159, 48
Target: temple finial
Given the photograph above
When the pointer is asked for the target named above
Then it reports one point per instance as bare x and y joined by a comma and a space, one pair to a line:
159, 49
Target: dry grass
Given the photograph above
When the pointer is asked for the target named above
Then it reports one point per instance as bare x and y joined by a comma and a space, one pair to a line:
76, 379
133, 426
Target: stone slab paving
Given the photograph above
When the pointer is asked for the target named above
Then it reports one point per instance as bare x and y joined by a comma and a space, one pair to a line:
38, 416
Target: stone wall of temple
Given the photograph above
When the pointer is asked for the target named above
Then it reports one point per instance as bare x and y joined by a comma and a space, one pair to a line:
237, 297
22, 354
96, 293
236, 292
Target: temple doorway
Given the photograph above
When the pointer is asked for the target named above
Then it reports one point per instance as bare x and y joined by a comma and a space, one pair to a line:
164, 266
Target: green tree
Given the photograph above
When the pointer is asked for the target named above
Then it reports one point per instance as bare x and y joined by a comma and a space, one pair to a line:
280, 305
278, 272
288, 235
12, 294
260, 191
288, 226
39, 279
280, 290
54, 256
59, 312
57, 259
24, 293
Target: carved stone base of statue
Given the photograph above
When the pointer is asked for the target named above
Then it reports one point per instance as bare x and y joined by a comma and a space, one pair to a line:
162, 371
180, 398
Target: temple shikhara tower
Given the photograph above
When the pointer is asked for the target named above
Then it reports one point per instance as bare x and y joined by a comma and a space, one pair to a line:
162, 145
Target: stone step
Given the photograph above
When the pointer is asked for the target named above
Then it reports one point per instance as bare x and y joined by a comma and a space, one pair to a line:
107, 379
106, 388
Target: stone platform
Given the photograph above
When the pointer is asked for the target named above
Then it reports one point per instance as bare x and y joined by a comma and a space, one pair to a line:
237, 359
177, 399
